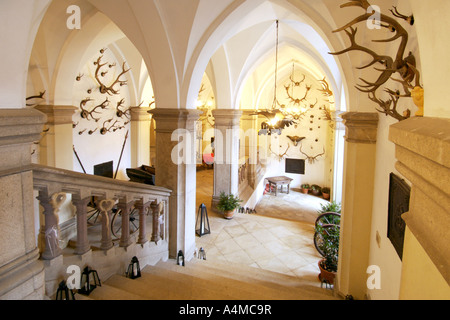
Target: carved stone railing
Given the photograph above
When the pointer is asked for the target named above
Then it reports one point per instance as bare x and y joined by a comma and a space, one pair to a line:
243, 173
54, 184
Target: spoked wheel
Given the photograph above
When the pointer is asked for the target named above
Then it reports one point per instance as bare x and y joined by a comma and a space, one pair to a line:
327, 224
116, 222
327, 229
328, 218
93, 213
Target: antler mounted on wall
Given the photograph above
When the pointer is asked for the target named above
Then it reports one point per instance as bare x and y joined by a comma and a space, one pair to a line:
404, 66
280, 156
109, 89
312, 159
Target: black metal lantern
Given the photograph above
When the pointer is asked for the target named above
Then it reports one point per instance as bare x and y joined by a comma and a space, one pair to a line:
202, 224
63, 292
180, 258
134, 270
89, 281
202, 254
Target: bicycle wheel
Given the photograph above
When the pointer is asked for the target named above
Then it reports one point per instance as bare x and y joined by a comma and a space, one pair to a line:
319, 236
116, 222
92, 213
328, 218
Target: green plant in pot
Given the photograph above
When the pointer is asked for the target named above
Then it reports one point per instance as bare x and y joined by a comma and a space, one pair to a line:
305, 188
329, 246
315, 189
228, 204
326, 193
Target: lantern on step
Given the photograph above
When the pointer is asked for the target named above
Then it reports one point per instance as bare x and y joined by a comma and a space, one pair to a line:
202, 224
180, 258
89, 281
202, 254
134, 270
64, 293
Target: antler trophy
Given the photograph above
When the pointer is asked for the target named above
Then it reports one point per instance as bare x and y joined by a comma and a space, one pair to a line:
404, 66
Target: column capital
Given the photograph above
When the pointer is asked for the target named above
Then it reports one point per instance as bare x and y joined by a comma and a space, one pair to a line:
20, 126
57, 114
227, 117
140, 113
168, 120
361, 127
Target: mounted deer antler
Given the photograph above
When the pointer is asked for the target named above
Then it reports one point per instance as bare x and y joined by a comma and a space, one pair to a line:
297, 83
39, 96
109, 89
409, 19
297, 101
121, 113
312, 159
85, 114
326, 88
280, 156
296, 139
405, 66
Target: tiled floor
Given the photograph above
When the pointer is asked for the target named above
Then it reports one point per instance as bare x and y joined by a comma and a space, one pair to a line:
259, 240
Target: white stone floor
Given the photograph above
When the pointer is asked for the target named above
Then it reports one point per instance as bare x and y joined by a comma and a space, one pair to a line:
258, 240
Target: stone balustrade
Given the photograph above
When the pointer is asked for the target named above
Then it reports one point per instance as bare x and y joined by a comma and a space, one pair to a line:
54, 184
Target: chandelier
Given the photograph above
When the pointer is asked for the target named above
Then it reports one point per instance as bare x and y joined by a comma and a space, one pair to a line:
276, 119
297, 95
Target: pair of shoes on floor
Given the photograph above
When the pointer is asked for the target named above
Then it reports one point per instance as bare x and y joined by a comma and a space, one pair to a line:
246, 210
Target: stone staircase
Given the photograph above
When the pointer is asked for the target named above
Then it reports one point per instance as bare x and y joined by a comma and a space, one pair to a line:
207, 280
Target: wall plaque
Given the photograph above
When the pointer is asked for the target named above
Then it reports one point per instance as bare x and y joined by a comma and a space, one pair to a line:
399, 193
295, 166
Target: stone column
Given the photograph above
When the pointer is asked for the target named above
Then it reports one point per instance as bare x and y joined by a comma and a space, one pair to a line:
50, 231
125, 208
423, 158
249, 138
140, 136
80, 204
143, 209
226, 155
21, 271
56, 144
176, 170
359, 171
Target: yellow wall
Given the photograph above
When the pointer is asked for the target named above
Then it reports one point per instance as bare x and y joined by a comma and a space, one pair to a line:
421, 279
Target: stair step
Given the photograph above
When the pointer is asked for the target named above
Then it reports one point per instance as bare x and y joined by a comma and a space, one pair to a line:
212, 286
248, 282
262, 276
107, 292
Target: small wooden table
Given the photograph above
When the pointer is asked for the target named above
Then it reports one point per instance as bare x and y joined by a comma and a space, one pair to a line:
279, 181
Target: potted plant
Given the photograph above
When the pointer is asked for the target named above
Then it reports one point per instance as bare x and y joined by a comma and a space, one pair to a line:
305, 188
330, 248
326, 239
228, 204
326, 193
315, 189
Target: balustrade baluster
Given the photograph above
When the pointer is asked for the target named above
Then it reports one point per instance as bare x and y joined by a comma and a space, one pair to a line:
125, 208
157, 210
51, 205
82, 245
143, 209
105, 206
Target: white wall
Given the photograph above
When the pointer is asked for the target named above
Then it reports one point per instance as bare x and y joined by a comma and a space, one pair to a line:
97, 148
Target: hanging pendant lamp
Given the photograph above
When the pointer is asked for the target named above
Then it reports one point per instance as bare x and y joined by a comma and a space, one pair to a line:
276, 120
